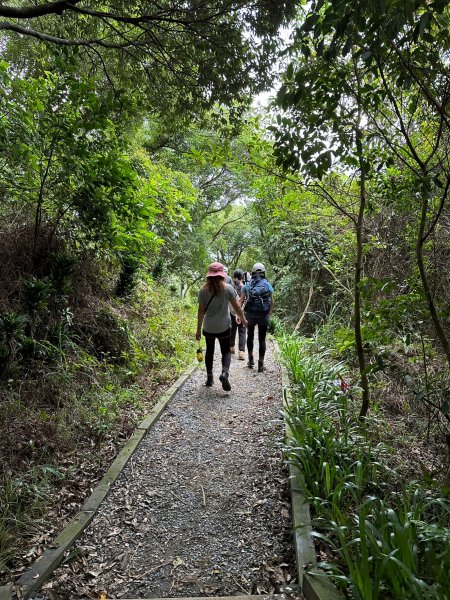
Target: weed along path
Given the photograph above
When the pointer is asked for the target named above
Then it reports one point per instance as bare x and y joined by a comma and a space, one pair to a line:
202, 507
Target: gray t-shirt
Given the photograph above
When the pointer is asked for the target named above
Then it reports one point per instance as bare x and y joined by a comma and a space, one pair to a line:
217, 318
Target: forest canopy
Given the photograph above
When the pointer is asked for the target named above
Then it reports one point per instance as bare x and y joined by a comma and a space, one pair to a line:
185, 56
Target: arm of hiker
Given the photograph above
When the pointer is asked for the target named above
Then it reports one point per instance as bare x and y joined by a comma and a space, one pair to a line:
240, 313
200, 317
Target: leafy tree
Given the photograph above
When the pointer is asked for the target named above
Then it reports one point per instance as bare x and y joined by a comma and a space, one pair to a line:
73, 171
209, 156
62, 157
402, 51
323, 120
185, 55
341, 80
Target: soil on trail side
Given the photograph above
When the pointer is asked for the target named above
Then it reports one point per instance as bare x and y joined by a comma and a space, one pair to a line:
202, 508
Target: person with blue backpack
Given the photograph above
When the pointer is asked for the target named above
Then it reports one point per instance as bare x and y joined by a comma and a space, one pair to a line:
258, 302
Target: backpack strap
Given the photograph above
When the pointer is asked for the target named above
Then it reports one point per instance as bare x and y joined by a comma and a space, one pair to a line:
237, 287
209, 302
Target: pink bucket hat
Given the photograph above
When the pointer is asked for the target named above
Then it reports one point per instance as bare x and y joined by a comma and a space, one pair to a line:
215, 269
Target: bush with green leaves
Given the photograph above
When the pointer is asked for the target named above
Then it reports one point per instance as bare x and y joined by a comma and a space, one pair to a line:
392, 548
387, 544
163, 344
12, 338
103, 382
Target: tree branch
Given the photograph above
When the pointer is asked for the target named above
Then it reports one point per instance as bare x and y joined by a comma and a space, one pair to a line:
439, 211
330, 272
310, 295
161, 17
44, 37
31, 12
223, 226
216, 210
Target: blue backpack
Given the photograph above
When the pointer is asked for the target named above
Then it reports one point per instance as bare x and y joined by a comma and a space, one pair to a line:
259, 298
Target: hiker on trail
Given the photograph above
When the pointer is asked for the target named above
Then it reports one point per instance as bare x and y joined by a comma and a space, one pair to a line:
257, 295
236, 323
214, 299
227, 277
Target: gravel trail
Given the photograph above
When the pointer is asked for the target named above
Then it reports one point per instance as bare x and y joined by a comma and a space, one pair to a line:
202, 508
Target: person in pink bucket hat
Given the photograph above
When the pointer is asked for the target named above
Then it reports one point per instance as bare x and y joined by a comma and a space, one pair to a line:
214, 300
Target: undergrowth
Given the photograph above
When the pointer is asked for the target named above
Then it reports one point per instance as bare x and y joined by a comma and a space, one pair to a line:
63, 417
389, 537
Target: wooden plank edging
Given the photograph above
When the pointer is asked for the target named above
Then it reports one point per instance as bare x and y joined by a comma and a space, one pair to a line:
249, 597
41, 570
314, 584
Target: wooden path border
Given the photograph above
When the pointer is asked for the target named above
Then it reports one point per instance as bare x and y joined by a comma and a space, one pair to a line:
32, 579
314, 584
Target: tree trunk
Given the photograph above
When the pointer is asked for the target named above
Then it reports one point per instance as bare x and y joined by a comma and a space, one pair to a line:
426, 284
310, 295
359, 257
358, 274
40, 200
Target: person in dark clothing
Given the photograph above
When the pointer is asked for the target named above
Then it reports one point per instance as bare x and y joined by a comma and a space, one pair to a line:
257, 295
236, 323
214, 299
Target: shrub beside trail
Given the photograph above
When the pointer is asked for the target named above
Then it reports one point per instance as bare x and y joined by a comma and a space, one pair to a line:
382, 533
78, 371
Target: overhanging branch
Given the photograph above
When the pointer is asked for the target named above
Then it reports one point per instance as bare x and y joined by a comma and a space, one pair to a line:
44, 37
32, 12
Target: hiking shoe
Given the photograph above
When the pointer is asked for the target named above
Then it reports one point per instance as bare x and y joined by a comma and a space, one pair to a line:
241, 355
224, 379
209, 380
260, 366
233, 350
250, 362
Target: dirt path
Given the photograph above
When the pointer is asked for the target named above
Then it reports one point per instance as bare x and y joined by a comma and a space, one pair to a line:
202, 508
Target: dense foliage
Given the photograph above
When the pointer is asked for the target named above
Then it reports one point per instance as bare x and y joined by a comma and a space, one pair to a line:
130, 157
359, 97
177, 57
388, 534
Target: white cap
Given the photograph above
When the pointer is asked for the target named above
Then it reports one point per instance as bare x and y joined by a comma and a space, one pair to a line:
258, 267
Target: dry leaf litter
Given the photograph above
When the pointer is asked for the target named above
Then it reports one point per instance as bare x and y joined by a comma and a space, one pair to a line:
202, 508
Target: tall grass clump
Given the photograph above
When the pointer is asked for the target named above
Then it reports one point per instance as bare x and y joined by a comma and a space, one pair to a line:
390, 541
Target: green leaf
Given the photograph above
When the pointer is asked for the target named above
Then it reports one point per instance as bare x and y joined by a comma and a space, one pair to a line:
290, 71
